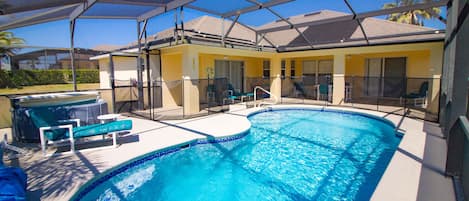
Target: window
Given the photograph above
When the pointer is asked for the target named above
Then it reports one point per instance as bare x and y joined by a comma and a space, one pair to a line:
325, 71
309, 68
283, 67
292, 68
266, 69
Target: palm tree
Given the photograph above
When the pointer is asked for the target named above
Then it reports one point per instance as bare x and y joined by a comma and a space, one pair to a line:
415, 17
7, 40
7, 43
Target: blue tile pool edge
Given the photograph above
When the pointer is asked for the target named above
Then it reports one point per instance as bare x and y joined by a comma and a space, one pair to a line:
322, 109
106, 175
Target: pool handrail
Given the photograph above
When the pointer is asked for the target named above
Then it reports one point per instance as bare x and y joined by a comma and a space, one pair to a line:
265, 91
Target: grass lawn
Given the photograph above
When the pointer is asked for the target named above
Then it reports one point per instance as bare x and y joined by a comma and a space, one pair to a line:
48, 88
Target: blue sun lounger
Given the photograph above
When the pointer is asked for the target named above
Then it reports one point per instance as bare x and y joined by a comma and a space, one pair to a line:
54, 131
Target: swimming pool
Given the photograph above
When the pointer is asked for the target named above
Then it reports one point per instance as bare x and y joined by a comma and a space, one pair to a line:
291, 154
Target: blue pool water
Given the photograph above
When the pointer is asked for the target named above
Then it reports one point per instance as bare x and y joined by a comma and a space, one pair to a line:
287, 155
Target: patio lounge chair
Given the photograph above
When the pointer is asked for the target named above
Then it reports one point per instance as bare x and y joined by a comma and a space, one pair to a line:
299, 89
419, 98
233, 94
56, 131
13, 181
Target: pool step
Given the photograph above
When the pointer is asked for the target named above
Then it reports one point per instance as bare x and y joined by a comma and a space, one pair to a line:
266, 103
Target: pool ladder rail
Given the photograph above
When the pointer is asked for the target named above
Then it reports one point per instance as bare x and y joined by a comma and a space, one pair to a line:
273, 98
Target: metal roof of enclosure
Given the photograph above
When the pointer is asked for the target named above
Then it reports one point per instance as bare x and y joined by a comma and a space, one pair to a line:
20, 13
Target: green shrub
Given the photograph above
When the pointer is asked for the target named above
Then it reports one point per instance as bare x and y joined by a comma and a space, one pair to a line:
43, 77
85, 76
18, 78
5, 81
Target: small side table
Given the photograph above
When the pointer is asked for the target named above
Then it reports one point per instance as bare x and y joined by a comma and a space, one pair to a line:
108, 117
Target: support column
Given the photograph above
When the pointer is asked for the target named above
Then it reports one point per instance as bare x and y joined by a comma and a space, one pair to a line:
72, 54
436, 64
276, 82
338, 88
190, 72
113, 84
140, 103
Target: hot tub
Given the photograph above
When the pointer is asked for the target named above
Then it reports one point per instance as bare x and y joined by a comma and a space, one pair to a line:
85, 106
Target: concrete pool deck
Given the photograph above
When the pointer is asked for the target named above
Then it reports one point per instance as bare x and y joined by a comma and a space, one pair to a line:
416, 171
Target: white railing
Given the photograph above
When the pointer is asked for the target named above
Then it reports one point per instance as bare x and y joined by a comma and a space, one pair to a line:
268, 92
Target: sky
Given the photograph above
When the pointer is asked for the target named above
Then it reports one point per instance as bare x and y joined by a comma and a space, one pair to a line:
90, 33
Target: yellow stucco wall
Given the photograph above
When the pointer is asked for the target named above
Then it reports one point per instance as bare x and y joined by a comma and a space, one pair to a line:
171, 73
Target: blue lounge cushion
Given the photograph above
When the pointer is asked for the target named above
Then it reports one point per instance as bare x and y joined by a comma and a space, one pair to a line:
13, 182
237, 94
249, 94
84, 131
100, 129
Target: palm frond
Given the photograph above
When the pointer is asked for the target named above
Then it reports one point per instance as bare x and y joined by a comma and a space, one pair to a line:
415, 17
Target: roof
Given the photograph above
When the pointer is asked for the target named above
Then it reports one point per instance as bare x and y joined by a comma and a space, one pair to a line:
329, 35
204, 28
346, 33
79, 52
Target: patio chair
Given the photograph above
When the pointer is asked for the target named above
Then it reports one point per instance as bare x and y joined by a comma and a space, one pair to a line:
13, 180
299, 89
323, 92
419, 98
233, 94
54, 131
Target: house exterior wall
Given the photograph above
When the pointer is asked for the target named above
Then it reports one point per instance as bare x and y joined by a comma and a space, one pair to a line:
424, 60
125, 68
104, 72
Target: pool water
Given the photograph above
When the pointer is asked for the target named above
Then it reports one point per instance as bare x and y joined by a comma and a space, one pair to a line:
288, 155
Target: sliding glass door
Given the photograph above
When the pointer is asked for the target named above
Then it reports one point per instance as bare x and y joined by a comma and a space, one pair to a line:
394, 77
373, 72
385, 77
231, 70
